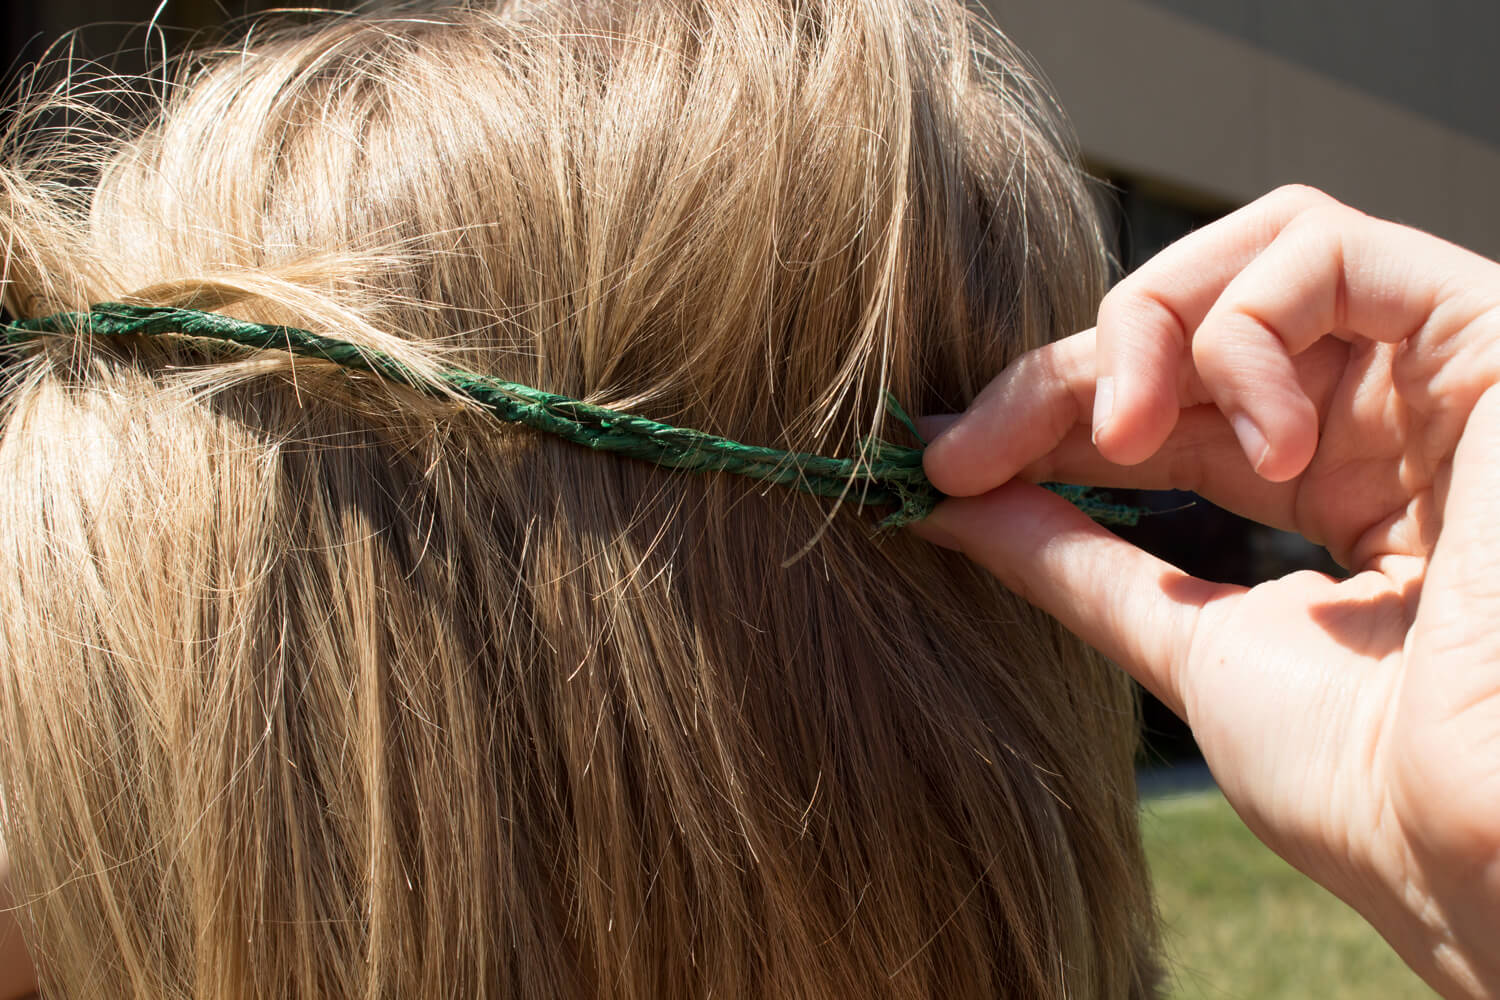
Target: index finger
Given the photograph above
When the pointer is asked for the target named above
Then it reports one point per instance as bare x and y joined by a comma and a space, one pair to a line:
1025, 412
1243, 297
1029, 408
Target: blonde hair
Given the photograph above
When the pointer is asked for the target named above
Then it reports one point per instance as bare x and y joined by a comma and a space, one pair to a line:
313, 687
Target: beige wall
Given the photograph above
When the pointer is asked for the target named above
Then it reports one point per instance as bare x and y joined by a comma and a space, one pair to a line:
1166, 98
1154, 94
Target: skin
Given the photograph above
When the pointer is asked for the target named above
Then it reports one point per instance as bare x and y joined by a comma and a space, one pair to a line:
17, 977
1326, 373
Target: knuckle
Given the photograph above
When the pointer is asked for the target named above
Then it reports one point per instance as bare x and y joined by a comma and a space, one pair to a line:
1239, 344
1308, 578
1319, 223
1319, 230
1137, 307
1185, 469
1299, 198
1329, 212
1219, 348
1113, 302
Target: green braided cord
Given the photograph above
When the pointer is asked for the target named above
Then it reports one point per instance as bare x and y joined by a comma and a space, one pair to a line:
884, 474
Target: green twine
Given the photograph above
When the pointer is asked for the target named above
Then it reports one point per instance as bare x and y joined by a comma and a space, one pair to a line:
883, 474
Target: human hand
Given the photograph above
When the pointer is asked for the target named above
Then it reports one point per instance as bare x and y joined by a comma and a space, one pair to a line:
1330, 374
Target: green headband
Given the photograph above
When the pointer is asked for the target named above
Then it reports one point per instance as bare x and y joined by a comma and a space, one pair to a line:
883, 474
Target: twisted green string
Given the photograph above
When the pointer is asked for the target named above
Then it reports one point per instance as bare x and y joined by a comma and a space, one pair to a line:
883, 474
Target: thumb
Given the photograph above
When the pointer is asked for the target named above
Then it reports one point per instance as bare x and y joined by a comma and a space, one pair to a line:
1136, 609
1450, 696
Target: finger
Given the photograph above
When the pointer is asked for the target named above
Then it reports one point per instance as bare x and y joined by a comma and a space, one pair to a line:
1136, 609
1330, 270
1257, 288
1139, 359
1201, 456
1033, 407
1285, 299
1147, 321
1139, 363
1025, 411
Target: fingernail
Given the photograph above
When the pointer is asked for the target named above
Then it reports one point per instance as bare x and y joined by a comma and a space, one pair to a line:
1104, 403
1251, 439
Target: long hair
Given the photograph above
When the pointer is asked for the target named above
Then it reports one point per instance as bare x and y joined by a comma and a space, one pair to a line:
314, 687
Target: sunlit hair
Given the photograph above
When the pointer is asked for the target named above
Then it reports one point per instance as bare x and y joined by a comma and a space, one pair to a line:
313, 687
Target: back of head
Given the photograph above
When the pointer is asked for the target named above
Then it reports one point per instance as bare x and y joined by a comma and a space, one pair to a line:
315, 687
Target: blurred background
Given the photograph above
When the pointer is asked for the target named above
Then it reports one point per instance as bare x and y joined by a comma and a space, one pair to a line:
1185, 109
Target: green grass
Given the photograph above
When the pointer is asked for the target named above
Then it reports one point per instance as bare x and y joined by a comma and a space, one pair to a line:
1242, 923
